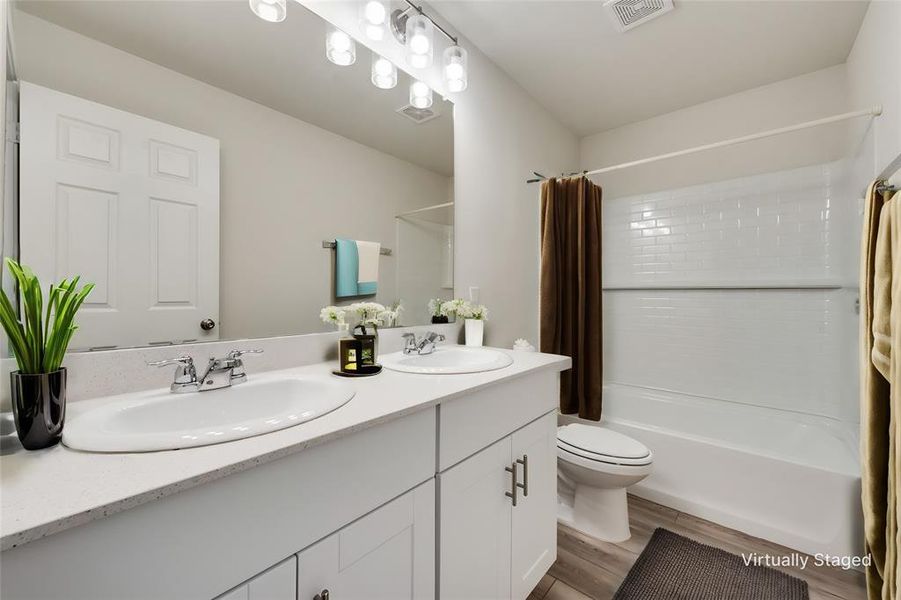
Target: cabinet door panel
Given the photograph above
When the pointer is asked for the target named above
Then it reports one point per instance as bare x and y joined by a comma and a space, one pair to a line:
278, 583
534, 532
475, 526
388, 554
480, 418
239, 593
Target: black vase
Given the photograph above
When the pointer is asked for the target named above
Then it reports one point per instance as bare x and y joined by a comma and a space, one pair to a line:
39, 407
439, 319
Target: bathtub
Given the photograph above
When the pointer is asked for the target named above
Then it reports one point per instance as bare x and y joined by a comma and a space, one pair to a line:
789, 478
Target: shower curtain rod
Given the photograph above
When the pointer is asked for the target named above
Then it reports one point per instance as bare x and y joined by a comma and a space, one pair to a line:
874, 111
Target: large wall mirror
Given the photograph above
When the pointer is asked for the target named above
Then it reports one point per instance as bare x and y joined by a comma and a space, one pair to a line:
198, 164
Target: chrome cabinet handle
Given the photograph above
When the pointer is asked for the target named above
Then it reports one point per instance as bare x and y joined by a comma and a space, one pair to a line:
524, 486
207, 324
512, 493
323, 595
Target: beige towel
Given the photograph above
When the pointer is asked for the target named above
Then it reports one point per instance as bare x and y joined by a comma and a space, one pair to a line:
882, 293
880, 402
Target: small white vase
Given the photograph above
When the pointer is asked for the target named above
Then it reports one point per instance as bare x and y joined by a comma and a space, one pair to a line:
475, 331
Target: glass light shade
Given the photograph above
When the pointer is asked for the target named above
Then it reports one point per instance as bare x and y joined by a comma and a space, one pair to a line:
420, 95
420, 41
456, 68
374, 19
273, 11
340, 48
384, 73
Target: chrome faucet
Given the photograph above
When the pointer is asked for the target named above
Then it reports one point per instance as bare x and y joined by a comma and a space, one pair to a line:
424, 345
220, 372
185, 374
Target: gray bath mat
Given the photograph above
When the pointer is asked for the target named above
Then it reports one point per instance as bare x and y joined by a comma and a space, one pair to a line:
673, 567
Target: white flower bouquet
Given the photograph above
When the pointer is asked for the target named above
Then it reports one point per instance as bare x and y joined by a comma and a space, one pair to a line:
362, 313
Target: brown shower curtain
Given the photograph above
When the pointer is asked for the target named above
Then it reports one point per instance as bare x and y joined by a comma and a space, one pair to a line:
880, 391
570, 300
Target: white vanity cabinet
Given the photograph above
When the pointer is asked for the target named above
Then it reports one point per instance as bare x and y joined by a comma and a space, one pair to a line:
388, 554
489, 547
455, 501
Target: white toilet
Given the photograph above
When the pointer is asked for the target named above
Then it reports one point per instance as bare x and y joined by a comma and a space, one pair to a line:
595, 465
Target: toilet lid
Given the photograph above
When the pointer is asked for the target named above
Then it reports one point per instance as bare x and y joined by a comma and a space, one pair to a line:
600, 441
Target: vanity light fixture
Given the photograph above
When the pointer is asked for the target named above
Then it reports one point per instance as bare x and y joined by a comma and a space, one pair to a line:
413, 28
273, 11
420, 41
340, 48
420, 95
384, 73
374, 19
456, 62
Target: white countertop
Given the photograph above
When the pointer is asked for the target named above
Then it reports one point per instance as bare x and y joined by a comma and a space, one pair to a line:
48, 491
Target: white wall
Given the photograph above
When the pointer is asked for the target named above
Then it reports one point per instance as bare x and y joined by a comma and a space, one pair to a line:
874, 75
286, 185
500, 135
812, 96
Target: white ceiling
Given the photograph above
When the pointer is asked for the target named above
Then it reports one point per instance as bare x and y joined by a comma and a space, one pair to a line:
279, 65
570, 57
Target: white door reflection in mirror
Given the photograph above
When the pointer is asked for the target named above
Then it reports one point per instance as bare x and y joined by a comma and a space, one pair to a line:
128, 203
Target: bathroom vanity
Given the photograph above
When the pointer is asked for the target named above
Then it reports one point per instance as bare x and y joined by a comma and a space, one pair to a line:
420, 486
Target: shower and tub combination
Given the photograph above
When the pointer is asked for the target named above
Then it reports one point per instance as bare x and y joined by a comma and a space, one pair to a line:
730, 361
787, 477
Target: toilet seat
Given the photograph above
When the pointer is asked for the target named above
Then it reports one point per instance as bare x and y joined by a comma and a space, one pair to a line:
601, 445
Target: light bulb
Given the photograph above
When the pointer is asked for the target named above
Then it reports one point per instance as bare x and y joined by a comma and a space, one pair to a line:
455, 61
383, 66
340, 48
374, 19
420, 95
456, 85
375, 12
273, 11
340, 41
419, 45
454, 71
384, 73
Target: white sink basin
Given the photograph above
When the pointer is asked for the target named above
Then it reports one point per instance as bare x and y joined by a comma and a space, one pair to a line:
160, 420
448, 360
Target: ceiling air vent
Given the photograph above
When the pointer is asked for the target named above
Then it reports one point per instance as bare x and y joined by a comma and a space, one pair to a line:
417, 115
627, 14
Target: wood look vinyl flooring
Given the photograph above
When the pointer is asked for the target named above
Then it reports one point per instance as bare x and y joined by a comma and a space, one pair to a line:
588, 568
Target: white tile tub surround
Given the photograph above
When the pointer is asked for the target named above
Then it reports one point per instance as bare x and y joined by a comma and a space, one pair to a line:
792, 350
786, 227
110, 372
671, 325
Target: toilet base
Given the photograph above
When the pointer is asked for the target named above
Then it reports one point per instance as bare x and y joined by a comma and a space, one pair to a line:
598, 512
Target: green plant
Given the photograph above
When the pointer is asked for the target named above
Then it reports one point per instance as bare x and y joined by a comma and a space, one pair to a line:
40, 340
